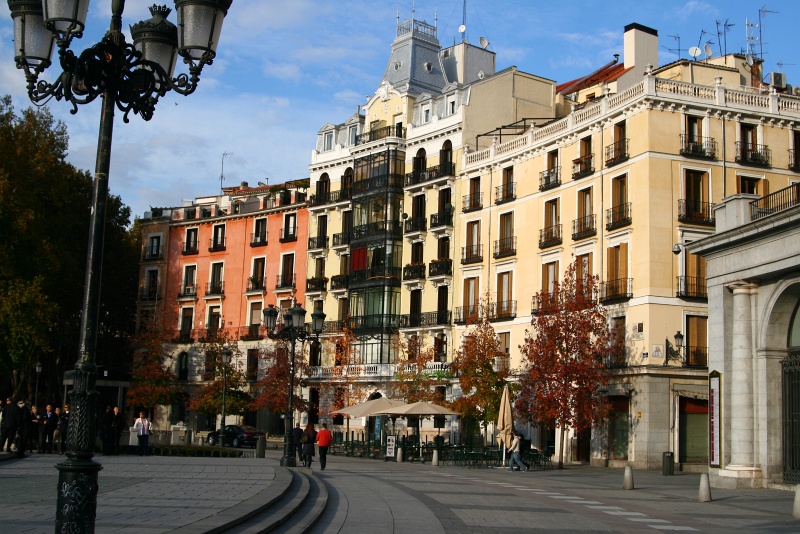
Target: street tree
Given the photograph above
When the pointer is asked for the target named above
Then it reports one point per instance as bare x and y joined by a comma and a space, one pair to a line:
414, 381
218, 376
563, 356
271, 390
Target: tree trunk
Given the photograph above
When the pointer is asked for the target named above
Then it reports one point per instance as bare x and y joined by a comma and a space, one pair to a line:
561, 449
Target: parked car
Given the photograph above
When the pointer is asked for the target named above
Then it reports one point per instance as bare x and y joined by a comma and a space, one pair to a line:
236, 436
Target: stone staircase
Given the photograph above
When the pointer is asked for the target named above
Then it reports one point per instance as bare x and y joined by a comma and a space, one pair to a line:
292, 504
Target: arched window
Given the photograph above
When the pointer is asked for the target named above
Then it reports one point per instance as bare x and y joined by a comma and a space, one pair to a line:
419, 162
323, 187
183, 366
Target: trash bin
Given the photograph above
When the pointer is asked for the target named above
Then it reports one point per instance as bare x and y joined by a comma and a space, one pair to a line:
668, 464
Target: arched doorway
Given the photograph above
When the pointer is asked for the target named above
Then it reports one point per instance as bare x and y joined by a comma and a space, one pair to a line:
790, 378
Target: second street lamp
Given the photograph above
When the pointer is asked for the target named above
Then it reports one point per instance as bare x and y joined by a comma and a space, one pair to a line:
226, 358
293, 329
38, 372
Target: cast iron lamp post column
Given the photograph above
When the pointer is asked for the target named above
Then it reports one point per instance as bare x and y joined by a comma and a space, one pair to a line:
293, 329
38, 372
226, 358
130, 77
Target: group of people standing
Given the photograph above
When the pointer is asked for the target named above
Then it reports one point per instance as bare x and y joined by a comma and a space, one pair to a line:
25, 428
304, 441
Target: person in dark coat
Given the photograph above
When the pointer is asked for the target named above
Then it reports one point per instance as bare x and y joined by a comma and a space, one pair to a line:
34, 434
48, 427
23, 427
297, 435
8, 428
63, 430
310, 436
117, 426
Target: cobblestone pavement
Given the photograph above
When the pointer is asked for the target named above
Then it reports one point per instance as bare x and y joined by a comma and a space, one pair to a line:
158, 494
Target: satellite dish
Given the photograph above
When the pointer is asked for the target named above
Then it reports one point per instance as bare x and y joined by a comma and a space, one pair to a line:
694, 51
749, 59
481, 75
484, 42
707, 49
462, 29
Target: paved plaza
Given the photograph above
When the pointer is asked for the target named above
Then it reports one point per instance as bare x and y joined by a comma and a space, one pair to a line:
163, 494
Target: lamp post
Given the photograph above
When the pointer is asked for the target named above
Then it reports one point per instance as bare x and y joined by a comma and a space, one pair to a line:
132, 78
293, 329
226, 358
673, 353
38, 372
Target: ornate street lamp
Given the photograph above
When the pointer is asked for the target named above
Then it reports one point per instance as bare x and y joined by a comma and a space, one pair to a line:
226, 358
293, 329
671, 353
38, 372
132, 78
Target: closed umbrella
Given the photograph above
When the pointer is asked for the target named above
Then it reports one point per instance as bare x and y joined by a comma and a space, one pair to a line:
505, 423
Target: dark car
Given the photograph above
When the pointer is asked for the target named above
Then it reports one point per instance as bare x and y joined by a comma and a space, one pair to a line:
237, 436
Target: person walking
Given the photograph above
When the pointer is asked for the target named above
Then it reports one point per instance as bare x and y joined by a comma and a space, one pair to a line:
297, 435
48, 428
8, 426
34, 434
63, 429
324, 440
117, 426
516, 447
143, 428
308, 440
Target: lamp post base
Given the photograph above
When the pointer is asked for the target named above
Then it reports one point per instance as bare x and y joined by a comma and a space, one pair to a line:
77, 495
288, 462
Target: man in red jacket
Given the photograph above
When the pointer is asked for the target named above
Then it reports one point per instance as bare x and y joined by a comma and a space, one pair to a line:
324, 440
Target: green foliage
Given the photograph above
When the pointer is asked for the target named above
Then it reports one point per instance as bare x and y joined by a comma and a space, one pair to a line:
208, 398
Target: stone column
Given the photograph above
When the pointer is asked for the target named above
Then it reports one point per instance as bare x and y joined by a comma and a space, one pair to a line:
742, 410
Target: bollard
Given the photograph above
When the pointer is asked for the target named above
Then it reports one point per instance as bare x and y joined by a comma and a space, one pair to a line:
435, 460
705, 489
399, 455
261, 447
796, 509
627, 482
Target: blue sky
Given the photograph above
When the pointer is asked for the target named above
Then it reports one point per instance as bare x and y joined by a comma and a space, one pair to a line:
286, 67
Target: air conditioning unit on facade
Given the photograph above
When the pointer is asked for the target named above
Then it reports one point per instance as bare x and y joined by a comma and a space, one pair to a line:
777, 79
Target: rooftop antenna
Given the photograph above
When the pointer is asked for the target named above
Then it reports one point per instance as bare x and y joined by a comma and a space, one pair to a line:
762, 12
722, 36
264, 183
463, 28
678, 50
703, 33
222, 169
750, 38
781, 65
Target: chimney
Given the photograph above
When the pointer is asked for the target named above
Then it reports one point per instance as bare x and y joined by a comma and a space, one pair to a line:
640, 46
244, 185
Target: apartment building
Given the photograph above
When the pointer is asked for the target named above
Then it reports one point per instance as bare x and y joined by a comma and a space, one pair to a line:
210, 268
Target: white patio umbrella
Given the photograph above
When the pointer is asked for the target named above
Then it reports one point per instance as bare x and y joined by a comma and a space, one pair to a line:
421, 409
505, 423
364, 409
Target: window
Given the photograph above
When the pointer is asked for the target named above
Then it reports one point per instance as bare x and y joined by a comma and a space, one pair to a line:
328, 145
752, 185
344, 264
255, 321
618, 262
252, 364
214, 319
151, 284
451, 106
190, 245
218, 239
323, 188
418, 207
426, 115
187, 324
257, 277
552, 161
618, 350
289, 227
504, 338
583, 268
549, 277
551, 215
353, 135
471, 297
507, 244
419, 163
694, 129
215, 285
619, 190
694, 283
189, 275
183, 366
286, 278
472, 251
153, 247
749, 135
443, 248
696, 340
415, 307
696, 184
260, 232
505, 301
417, 252
551, 233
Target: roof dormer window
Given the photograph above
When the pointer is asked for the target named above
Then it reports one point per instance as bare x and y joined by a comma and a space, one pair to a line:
328, 141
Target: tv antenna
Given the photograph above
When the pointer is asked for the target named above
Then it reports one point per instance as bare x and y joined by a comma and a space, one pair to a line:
678, 50
781, 65
722, 36
222, 169
762, 13
463, 28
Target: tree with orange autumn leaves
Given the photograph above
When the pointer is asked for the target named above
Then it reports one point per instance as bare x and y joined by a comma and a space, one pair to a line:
208, 398
563, 358
270, 390
414, 382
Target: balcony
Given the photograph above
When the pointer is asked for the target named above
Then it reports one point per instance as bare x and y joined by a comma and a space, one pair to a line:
414, 272
187, 292
693, 212
505, 193
584, 227
618, 216
252, 332
378, 321
285, 281
472, 202
427, 319
617, 152
415, 225
341, 240
316, 285
698, 147
464, 314
583, 166
505, 247
781, 200
381, 133
691, 287
208, 334
258, 239
617, 359
378, 229
549, 179
751, 154
503, 310
256, 284
696, 356
429, 174
319, 199
319, 242
184, 336
439, 220
189, 247
441, 267
544, 303
550, 236
339, 282
288, 234
216, 288
385, 181
616, 290
216, 244
149, 293
471, 254
153, 253
794, 160
382, 274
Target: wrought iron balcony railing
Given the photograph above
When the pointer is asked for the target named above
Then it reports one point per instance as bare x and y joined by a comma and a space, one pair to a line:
149, 293
431, 173
582, 166
318, 242
339, 282
251, 332
615, 290
471, 254
549, 178
618, 216
752, 154
285, 281
698, 147
415, 224
258, 239
288, 234
153, 253
441, 267
584, 227
784, 199
414, 272
550, 236
463, 314
502, 310
426, 319
316, 284
691, 287
505, 193
378, 228
696, 356
472, 202
184, 336
216, 244
441, 219
215, 288
341, 239
255, 283
543, 303
505, 247
617, 152
694, 212
189, 247
380, 133
187, 291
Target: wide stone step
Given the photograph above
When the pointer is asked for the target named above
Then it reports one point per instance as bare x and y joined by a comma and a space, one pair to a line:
310, 512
